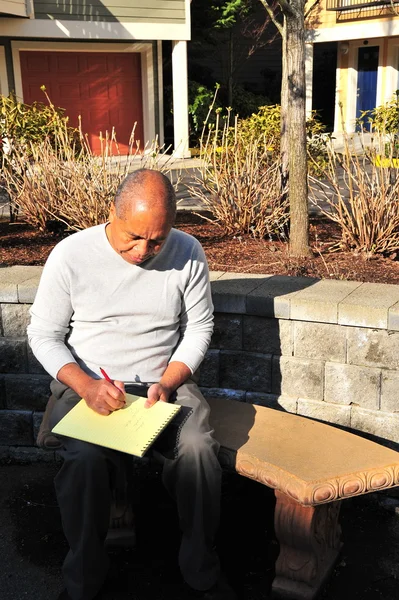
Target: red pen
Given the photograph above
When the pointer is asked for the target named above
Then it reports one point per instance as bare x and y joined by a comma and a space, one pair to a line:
107, 377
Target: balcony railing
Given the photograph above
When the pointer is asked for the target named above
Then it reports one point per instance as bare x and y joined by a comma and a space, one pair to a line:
361, 9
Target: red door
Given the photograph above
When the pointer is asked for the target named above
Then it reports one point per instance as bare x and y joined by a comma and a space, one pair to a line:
104, 88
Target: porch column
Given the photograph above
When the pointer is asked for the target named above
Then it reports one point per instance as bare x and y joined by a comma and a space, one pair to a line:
3, 73
309, 78
180, 99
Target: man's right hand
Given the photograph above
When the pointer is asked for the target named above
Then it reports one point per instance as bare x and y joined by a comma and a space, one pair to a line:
101, 396
104, 397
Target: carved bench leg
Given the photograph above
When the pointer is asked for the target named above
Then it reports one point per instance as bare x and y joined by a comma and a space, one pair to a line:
309, 538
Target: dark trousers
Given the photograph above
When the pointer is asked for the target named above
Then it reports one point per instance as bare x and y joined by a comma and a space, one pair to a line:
191, 474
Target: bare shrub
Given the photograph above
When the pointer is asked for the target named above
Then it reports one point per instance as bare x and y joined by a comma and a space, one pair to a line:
239, 182
50, 181
360, 192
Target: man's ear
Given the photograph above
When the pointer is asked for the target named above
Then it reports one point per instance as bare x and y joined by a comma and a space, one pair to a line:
112, 213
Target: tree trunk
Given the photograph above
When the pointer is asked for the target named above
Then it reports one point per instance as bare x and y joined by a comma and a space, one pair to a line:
284, 112
296, 103
230, 67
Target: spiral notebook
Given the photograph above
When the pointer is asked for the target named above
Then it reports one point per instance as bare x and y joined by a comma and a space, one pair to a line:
131, 429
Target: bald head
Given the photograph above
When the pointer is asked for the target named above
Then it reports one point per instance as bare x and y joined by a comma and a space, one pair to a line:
145, 190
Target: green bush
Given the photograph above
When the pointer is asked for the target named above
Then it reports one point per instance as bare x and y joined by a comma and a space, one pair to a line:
383, 119
25, 124
266, 122
245, 102
200, 99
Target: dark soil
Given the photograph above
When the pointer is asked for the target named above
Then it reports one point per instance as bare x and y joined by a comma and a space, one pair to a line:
21, 245
33, 545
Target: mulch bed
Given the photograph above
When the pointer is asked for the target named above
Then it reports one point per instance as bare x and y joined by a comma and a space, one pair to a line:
20, 244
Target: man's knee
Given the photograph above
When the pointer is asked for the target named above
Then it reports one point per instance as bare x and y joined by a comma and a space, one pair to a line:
84, 455
197, 445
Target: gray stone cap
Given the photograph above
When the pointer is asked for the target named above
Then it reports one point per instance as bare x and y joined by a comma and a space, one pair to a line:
19, 284
311, 462
374, 305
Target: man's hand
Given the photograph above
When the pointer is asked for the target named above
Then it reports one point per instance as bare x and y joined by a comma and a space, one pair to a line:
156, 392
174, 376
104, 397
101, 396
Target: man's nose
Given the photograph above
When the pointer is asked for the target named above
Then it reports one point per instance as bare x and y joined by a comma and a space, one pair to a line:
143, 247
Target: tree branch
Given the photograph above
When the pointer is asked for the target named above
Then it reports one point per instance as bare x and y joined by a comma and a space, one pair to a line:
286, 7
272, 16
315, 3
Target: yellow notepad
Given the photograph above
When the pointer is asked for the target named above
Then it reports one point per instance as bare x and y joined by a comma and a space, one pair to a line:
131, 429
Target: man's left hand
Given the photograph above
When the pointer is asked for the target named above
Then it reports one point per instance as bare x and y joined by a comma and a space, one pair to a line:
157, 392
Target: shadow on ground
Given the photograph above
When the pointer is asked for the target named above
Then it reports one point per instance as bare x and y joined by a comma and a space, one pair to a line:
33, 545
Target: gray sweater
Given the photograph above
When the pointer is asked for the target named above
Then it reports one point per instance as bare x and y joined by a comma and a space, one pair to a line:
94, 308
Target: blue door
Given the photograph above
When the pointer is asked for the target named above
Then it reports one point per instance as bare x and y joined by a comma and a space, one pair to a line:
367, 69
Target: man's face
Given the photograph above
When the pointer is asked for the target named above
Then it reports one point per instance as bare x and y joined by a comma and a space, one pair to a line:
140, 235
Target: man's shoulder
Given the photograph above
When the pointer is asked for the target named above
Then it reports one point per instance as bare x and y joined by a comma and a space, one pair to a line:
82, 237
77, 242
184, 239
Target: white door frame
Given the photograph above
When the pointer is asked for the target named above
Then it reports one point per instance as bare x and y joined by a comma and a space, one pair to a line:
351, 95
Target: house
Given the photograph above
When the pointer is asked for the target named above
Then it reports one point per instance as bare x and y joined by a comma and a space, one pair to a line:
366, 34
101, 60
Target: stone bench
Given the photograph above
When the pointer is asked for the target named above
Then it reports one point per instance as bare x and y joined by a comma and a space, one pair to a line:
310, 465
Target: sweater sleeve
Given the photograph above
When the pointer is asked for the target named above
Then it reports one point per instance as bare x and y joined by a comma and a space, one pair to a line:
51, 314
196, 319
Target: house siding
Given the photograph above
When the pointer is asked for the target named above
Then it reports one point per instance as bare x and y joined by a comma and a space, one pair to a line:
124, 11
13, 7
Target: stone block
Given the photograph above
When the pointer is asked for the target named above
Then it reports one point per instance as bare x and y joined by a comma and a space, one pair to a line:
2, 393
320, 341
36, 420
298, 377
378, 423
273, 298
269, 336
227, 333
350, 384
16, 428
15, 319
245, 371
209, 370
373, 347
27, 289
13, 279
324, 411
31, 455
390, 391
27, 392
13, 357
320, 301
34, 366
238, 395
229, 292
393, 317
368, 305
214, 275
284, 403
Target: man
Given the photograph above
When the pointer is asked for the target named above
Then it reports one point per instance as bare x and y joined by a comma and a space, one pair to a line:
131, 296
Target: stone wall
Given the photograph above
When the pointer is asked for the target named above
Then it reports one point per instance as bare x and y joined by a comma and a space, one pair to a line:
323, 349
